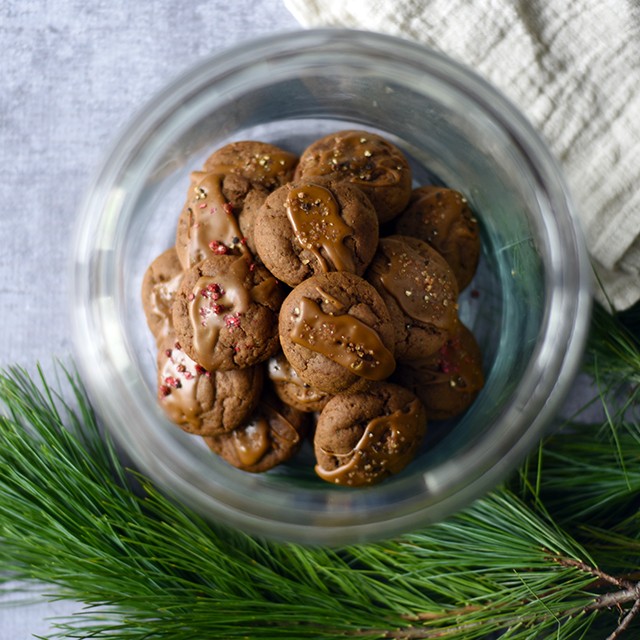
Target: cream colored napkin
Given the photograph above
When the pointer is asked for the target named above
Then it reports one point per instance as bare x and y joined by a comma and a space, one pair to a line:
573, 67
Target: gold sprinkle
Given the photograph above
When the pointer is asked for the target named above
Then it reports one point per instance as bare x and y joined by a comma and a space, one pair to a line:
367, 154
408, 293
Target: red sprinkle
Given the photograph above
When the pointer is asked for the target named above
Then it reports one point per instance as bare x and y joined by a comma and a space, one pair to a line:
167, 353
177, 346
228, 208
232, 321
181, 368
218, 248
217, 308
164, 390
188, 375
191, 297
173, 382
200, 370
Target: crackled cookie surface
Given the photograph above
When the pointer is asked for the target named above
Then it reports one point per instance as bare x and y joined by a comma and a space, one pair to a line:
315, 226
364, 437
366, 160
261, 163
272, 435
420, 291
225, 313
442, 218
448, 381
336, 332
205, 402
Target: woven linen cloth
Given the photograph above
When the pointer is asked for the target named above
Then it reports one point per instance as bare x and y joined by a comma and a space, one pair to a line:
573, 68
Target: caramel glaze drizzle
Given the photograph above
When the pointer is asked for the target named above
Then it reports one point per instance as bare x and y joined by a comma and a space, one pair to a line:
343, 339
161, 299
219, 302
445, 214
211, 222
281, 372
252, 441
384, 448
179, 377
425, 291
265, 432
314, 215
263, 168
360, 159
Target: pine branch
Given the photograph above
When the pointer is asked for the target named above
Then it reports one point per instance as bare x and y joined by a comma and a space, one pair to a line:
146, 567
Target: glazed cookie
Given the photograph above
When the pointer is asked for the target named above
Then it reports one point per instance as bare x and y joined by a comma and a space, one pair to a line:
272, 436
291, 390
209, 222
226, 313
336, 332
263, 164
448, 381
442, 218
315, 226
362, 438
366, 160
203, 402
421, 292
160, 282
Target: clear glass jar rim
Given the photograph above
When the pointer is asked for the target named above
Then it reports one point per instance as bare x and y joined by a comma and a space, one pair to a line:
99, 338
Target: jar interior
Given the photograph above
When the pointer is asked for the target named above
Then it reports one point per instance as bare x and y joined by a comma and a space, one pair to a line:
449, 139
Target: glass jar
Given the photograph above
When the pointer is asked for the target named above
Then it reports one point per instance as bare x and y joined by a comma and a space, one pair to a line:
528, 305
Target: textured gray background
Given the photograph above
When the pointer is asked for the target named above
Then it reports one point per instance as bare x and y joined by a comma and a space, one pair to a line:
72, 73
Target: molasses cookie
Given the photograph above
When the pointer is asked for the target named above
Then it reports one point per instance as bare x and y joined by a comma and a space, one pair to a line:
442, 218
159, 285
291, 390
421, 292
314, 226
367, 161
271, 436
336, 332
225, 313
364, 437
261, 163
202, 402
448, 381
209, 222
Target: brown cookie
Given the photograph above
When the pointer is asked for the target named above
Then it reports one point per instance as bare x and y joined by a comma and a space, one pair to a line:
448, 381
226, 313
291, 390
160, 282
209, 222
421, 292
262, 163
362, 438
314, 226
367, 161
336, 332
442, 218
202, 402
272, 436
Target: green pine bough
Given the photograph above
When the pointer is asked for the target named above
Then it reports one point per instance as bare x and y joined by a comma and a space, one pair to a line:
553, 553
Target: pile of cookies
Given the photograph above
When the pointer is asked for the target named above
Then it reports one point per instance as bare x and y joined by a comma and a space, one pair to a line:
315, 297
